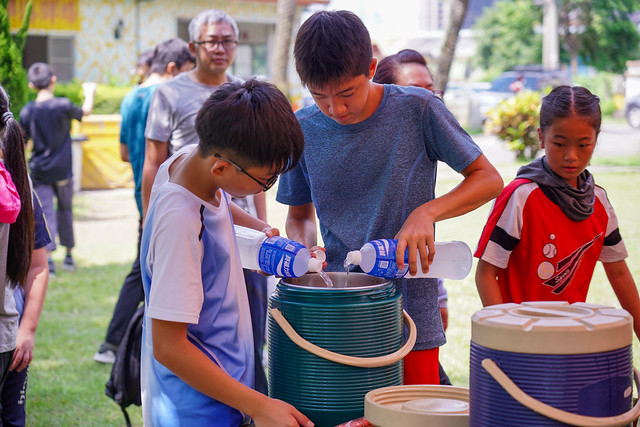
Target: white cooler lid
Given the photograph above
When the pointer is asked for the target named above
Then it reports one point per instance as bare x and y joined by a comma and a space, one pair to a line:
552, 327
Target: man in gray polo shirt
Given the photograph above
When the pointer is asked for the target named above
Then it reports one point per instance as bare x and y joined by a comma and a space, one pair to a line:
213, 41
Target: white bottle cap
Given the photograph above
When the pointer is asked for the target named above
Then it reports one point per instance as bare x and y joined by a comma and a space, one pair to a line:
353, 258
315, 265
320, 254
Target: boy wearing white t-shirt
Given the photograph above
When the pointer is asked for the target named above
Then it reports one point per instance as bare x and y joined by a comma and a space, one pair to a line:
197, 352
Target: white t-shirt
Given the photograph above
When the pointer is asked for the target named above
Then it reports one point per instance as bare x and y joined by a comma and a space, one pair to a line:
192, 274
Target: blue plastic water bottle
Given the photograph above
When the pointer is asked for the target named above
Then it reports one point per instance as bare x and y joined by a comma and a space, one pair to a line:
452, 260
275, 255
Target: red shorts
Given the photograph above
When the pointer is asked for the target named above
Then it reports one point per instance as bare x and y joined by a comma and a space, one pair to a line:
421, 367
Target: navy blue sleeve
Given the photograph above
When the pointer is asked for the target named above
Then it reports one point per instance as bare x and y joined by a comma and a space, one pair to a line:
75, 112
42, 237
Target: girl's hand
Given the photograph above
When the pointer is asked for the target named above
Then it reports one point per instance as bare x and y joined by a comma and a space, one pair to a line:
24, 351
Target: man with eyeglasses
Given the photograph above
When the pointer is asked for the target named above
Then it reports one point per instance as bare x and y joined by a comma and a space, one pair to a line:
213, 36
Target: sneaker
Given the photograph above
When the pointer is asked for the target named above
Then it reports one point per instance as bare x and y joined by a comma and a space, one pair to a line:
68, 263
52, 268
106, 353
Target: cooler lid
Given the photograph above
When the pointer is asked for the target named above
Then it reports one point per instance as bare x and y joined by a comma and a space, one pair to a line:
552, 327
418, 406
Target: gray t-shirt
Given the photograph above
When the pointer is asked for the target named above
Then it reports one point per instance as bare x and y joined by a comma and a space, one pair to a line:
173, 110
365, 179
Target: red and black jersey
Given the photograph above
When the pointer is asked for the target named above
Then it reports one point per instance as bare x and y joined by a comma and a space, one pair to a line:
542, 254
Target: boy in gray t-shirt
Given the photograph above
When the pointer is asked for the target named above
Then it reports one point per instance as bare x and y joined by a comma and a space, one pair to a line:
369, 168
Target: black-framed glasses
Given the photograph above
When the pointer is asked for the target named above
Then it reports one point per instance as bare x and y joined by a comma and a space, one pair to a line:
227, 44
265, 185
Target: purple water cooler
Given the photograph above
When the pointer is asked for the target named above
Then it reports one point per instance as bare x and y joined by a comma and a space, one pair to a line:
551, 364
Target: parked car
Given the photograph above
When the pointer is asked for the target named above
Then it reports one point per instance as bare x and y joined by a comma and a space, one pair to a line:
507, 84
463, 100
632, 112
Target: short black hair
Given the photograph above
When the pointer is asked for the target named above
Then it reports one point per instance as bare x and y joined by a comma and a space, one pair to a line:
387, 67
564, 101
40, 75
252, 120
145, 58
332, 47
173, 50
386, 70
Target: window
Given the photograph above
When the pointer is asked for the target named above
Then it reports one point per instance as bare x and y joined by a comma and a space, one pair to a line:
57, 51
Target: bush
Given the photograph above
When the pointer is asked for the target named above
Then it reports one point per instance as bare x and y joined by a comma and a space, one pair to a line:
12, 75
107, 99
516, 120
71, 90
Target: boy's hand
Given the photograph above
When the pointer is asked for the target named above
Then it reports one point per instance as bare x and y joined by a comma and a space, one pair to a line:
270, 231
320, 253
416, 234
89, 88
277, 413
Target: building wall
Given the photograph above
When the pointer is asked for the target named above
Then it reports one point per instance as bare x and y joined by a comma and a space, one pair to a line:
101, 55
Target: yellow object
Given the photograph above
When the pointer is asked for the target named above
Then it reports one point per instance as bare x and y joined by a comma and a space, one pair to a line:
61, 15
619, 102
102, 167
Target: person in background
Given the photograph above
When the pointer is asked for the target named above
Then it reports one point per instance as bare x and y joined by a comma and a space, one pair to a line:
170, 58
143, 67
29, 301
197, 364
409, 68
16, 236
551, 225
405, 68
47, 121
213, 38
369, 167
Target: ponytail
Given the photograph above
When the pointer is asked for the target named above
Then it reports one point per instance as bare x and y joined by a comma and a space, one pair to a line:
21, 232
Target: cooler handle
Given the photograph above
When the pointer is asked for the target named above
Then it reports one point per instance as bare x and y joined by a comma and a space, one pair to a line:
558, 414
360, 362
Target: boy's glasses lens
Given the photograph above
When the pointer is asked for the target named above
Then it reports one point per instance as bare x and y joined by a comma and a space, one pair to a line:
265, 185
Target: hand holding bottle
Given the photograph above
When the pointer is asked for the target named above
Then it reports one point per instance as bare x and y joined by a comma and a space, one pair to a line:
273, 254
417, 238
452, 260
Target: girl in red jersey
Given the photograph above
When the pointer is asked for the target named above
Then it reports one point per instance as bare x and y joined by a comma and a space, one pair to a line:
549, 226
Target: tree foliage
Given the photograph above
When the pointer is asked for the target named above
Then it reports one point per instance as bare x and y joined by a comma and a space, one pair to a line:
12, 74
506, 35
609, 38
599, 32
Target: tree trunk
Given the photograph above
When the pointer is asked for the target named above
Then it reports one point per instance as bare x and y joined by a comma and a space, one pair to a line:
458, 12
286, 11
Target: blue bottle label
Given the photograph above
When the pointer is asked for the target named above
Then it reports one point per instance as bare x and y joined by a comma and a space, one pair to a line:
277, 255
385, 264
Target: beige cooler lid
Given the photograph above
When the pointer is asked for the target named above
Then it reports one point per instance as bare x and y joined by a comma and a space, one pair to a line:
552, 327
418, 406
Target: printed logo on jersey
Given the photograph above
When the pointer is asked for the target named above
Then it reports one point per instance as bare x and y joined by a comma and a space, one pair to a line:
558, 277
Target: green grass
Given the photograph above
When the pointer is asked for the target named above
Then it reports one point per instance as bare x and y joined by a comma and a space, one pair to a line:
66, 387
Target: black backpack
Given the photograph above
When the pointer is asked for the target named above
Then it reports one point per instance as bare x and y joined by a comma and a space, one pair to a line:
124, 383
